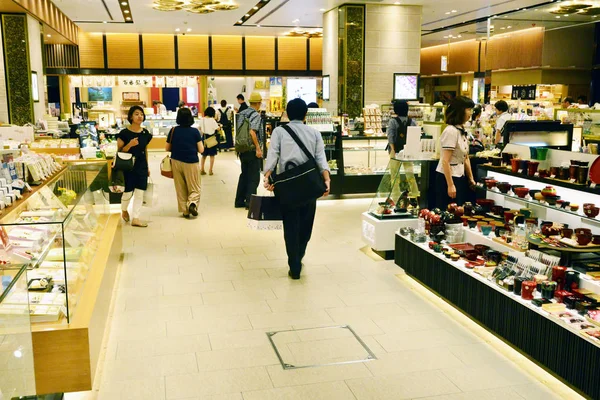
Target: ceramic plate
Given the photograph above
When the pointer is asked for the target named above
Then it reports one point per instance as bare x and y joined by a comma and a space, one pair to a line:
595, 171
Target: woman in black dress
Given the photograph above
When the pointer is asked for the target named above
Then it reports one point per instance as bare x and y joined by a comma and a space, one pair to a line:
209, 127
134, 140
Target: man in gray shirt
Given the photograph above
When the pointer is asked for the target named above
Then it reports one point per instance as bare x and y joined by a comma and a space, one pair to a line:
283, 154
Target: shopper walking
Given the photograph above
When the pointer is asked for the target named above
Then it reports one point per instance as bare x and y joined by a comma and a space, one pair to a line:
209, 128
134, 140
184, 142
225, 118
454, 174
398, 128
249, 135
242, 102
284, 152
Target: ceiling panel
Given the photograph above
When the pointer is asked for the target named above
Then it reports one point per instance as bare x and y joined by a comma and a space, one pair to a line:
91, 10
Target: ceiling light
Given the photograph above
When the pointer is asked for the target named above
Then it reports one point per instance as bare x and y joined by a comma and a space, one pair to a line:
566, 15
322, 9
48, 35
177, 30
128, 18
240, 21
104, 22
258, 26
123, 3
453, 11
503, 28
296, 20
558, 17
189, 29
459, 35
247, 15
508, 27
255, 8
126, 11
448, 13
397, 3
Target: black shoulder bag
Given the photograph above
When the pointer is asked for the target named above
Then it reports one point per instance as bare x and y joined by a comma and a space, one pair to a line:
300, 184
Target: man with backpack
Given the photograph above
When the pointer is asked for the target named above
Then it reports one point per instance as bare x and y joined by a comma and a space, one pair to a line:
248, 138
398, 127
225, 118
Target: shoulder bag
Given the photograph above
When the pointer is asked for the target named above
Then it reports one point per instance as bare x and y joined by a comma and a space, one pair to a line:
123, 161
209, 140
166, 169
299, 184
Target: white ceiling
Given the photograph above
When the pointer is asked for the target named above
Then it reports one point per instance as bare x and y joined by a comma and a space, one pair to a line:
278, 18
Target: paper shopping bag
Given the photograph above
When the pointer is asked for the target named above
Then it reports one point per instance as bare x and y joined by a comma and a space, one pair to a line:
264, 213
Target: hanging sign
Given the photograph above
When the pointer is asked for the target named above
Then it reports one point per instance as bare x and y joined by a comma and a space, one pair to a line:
526, 92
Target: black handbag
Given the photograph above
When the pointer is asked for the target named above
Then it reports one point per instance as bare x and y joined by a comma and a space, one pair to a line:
298, 185
123, 162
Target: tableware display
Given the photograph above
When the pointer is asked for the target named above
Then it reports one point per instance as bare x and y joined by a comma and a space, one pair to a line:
472, 223
542, 152
574, 207
573, 172
491, 183
486, 229
582, 175
548, 191
506, 158
591, 212
595, 169
521, 192
532, 168
496, 161
584, 239
515, 164
564, 173
504, 187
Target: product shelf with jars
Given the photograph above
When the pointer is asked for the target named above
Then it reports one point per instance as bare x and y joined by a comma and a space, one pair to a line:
402, 192
65, 239
586, 122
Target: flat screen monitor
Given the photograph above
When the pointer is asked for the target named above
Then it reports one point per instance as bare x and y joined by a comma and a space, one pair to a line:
551, 134
406, 86
326, 87
99, 94
305, 89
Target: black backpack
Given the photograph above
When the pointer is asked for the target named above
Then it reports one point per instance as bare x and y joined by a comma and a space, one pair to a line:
224, 120
401, 133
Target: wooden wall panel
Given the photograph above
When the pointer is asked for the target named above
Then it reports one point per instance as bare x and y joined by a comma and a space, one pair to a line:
123, 50
193, 51
260, 53
292, 53
516, 50
227, 52
462, 57
563, 47
159, 51
316, 54
91, 50
47, 12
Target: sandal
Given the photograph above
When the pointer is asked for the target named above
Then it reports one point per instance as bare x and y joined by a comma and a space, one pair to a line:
210, 173
139, 224
202, 173
125, 216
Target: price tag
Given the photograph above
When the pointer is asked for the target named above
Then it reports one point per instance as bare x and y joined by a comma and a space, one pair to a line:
552, 176
593, 185
520, 171
537, 174
573, 180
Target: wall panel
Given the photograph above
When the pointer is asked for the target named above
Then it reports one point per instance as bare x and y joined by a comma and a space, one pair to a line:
159, 51
516, 50
227, 52
91, 51
123, 50
292, 53
193, 51
462, 57
260, 53
316, 54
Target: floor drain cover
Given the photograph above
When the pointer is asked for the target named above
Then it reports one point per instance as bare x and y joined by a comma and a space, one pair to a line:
316, 347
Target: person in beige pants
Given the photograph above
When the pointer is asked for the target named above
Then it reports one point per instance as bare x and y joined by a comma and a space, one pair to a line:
185, 142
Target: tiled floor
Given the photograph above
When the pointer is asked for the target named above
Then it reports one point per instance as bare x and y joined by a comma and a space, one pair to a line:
195, 298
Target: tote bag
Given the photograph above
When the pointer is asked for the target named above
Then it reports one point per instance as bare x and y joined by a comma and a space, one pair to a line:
300, 184
166, 169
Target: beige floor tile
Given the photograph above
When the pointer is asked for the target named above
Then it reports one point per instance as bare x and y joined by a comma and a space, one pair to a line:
318, 391
486, 376
267, 283
217, 382
148, 330
162, 302
369, 311
408, 361
361, 299
138, 389
236, 358
261, 262
325, 351
196, 288
414, 340
407, 386
304, 376
162, 346
215, 276
162, 314
490, 394
208, 325
227, 309
229, 396
405, 323
237, 340
282, 272
260, 321
536, 391
238, 296
317, 302
157, 366
477, 354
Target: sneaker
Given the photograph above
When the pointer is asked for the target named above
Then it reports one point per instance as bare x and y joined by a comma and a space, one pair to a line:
193, 210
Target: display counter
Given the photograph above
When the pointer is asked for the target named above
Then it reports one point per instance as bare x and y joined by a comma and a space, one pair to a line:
69, 244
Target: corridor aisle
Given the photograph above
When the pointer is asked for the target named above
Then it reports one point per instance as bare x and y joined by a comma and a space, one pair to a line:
195, 298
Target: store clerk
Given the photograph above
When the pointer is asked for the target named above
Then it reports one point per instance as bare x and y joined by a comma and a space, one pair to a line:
454, 174
503, 116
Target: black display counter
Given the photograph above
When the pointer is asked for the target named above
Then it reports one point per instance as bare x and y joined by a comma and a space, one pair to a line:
565, 354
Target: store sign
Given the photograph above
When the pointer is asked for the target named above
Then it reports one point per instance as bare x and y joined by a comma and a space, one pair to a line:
523, 92
131, 96
444, 64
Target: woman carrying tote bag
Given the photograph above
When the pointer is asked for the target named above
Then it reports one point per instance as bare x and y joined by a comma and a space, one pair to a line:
209, 128
296, 155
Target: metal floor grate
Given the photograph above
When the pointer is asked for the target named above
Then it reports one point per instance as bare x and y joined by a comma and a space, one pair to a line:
317, 347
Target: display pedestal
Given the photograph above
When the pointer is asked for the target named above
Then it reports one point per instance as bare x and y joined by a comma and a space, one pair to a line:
66, 355
379, 233
566, 354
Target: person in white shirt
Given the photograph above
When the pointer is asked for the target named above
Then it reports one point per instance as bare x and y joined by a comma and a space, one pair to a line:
503, 116
209, 127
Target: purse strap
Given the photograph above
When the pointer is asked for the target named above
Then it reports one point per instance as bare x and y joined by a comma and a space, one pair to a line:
172, 133
299, 142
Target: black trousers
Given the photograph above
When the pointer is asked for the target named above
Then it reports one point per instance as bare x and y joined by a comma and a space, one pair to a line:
228, 143
297, 229
249, 178
462, 191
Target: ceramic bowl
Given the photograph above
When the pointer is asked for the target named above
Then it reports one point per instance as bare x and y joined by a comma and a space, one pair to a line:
596, 239
551, 199
521, 191
584, 239
588, 205
532, 192
491, 183
496, 161
472, 222
591, 212
486, 229
574, 207
583, 231
566, 233
455, 257
504, 187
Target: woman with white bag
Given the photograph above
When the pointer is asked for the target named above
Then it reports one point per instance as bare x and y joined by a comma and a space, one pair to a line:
209, 128
184, 143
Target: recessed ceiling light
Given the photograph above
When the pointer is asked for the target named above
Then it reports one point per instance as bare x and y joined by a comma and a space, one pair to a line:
128, 18
123, 3
240, 21
566, 15
397, 3
296, 20
453, 11
558, 17
322, 9
189, 29
459, 35
255, 8
177, 30
48, 35
104, 22
258, 26
508, 27
126, 11
503, 28
448, 13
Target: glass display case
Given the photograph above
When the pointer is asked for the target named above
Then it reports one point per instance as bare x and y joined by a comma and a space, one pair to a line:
16, 355
586, 123
53, 233
364, 155
419, 112
398, 195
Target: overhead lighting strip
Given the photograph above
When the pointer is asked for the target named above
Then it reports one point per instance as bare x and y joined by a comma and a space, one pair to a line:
251, 12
